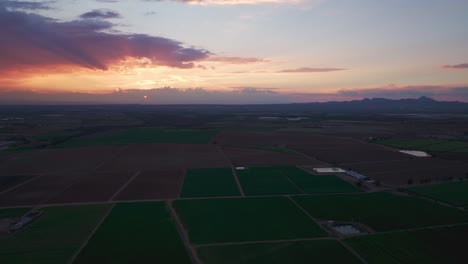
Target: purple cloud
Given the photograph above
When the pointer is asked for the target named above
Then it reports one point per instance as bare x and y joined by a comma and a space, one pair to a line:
100, 13
457, 67
311, 70
34, 41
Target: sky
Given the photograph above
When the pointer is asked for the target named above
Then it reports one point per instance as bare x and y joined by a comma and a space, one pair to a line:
232, 51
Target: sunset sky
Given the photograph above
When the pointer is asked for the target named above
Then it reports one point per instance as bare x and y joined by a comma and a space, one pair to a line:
232, 51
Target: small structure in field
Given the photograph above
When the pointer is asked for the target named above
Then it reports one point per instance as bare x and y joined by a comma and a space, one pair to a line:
346, 229
329, 170
24, 221
240, 168
416, 153
357, 176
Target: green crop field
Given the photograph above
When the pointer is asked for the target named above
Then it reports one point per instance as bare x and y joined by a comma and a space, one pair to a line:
455, 192
429, 246
316, 184
56, 136
289, 180
145, 136
244, 219
209, 183
381, 211
7, 182
303, 252
136, 233
53, 238
266, 181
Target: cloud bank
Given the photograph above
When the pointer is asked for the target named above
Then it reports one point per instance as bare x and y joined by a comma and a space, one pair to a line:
457, 66
311, 70
100, 14
238, 95
232, 2
34, 41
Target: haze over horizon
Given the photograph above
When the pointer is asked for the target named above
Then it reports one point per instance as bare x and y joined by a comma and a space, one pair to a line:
232, 51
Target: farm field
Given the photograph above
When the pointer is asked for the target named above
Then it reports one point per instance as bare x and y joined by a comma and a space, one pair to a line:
289, 180
455, 192
38, 190
379, 211
209, 183
145, 136
158, 184
429, 145
303, 252
7, 182
54, 237
136, 233
94, 187
416, 170
431, 246
316, 184
244, 219
13, 212
260, 157
46, 161
266, 181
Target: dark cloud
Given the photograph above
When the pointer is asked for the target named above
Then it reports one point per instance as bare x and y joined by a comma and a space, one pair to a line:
457, 67
311, 70
25, 5
236, 60
100, 13
34, 41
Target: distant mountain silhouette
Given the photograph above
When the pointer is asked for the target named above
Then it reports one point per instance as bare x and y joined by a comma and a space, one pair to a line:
382, 105
365, 106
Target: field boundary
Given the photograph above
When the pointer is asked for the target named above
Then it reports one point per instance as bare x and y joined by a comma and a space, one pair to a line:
262, 242
124, 186
234, 173
103, 218
20, 184
183, 234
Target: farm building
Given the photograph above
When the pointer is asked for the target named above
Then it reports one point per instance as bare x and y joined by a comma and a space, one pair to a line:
416, 153
357, 176
329, 170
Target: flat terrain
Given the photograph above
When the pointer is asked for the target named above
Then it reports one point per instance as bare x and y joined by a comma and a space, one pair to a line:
7, 182
158, 184
429, 145
431, 246
155, 184
302, 252
455, 192
209, 183
145, 136
54, 237
244, 219
266, 181
136, 233
381, 211
289, 180
97, 187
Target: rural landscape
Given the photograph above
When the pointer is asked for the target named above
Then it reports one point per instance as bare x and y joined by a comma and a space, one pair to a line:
231, 184
233, 131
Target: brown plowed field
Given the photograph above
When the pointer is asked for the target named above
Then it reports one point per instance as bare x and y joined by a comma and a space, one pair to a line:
256, 157
165, 156
57, 160
37, 191
157, 184
417, 169
96, 187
